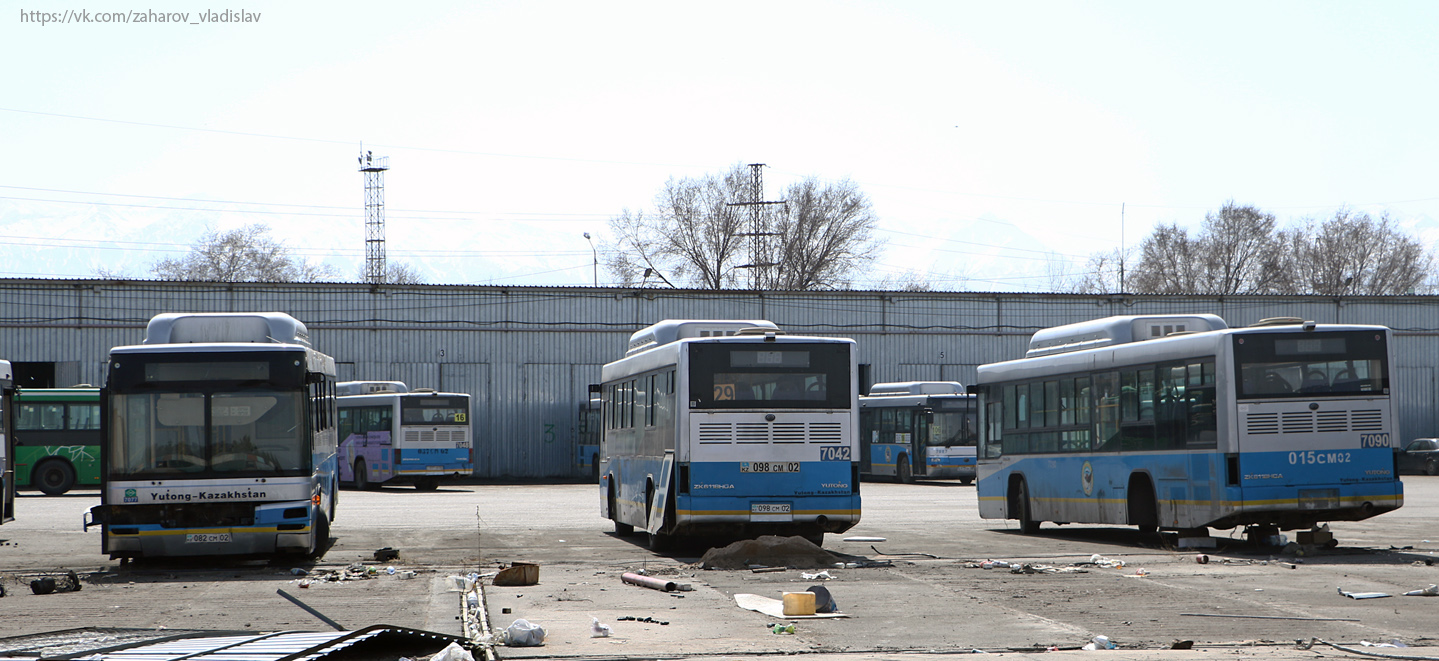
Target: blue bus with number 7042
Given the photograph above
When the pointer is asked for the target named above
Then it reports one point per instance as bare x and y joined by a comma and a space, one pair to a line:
730, 428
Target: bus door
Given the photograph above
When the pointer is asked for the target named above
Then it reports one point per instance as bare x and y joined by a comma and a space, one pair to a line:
919, 442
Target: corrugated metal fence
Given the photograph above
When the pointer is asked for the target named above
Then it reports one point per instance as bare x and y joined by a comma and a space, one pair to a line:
528, 354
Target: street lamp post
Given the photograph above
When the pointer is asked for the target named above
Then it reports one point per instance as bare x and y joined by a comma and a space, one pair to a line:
597, 258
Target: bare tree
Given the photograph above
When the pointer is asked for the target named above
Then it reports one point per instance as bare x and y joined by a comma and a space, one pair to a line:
1169, 263
1101, 275
697, 235
247, 254
396, 273
1235, 252
1239, 251
1354, 253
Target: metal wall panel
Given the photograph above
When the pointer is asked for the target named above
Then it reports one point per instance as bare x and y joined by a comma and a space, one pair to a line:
527, 355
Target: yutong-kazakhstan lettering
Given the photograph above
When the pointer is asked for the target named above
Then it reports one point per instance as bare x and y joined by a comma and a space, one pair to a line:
207, 495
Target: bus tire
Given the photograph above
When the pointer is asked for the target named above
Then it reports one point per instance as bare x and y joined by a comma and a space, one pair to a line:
53, 477
816, 538
903, 474
334, 497
594, 468
1143, 507
362, 476
966, 481
321, 540
658, 542
1024, 511
621, 529
427, 484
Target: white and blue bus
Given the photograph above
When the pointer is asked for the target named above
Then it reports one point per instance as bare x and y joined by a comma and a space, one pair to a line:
730, 429
7, 442
218, 439
391, 434
916, 429
1182, 423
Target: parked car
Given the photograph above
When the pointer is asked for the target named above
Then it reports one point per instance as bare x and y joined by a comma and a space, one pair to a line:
1420, 456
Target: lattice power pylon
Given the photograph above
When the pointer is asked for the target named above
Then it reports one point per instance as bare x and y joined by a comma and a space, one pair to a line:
374, 169
761, 260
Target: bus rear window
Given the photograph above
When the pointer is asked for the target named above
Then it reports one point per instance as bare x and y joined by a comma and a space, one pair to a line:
731, 375
1281, 365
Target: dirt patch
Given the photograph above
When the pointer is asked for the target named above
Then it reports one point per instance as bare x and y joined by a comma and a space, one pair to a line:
769, 551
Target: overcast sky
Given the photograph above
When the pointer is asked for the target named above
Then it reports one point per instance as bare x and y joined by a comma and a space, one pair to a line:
998, 141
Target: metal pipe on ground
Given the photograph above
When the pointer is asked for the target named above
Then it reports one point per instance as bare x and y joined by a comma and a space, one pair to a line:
649, 582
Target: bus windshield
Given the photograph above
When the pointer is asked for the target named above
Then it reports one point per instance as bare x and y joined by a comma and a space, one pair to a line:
214, 433
954, 428
750, 375
1305, 365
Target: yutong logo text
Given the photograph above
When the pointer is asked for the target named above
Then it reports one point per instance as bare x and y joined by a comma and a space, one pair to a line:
206, 495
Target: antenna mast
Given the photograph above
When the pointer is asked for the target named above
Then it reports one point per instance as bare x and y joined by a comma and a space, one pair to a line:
760, 260
374, 169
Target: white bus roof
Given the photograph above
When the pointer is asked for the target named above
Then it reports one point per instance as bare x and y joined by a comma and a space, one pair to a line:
346, 388
916, 388
226, 327
674, 330
1110, 331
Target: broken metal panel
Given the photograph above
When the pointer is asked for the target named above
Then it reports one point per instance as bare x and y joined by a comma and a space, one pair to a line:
161, 645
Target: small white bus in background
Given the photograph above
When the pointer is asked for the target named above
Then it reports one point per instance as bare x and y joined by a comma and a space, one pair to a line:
730, 429
1182, 423
218, 438
390, 434
918, 429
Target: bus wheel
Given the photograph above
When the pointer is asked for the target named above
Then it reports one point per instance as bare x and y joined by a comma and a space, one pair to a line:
321, 539
54, 477
659, 542
966, 481
902, 472
1023, 511
427, 484
621, 529
362, 476
815, 538
1143, 508
594, 468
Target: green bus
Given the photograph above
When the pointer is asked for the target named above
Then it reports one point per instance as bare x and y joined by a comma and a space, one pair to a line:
57, 438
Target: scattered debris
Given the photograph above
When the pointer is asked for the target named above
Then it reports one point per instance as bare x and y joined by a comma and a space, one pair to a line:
1182, 645
1393, 644
823, 602
649, 582
822, 576
523, 633
782, 628
765, 570
1431, 591
645, 620
798, 603
68, 582
1201, 559
452, 652
1362, 595
1099, 643
769, 551
518, 573
865, 539
599, 629
1272, 617
386, 554
775, 608
306, 607
922, 555
1101, 561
